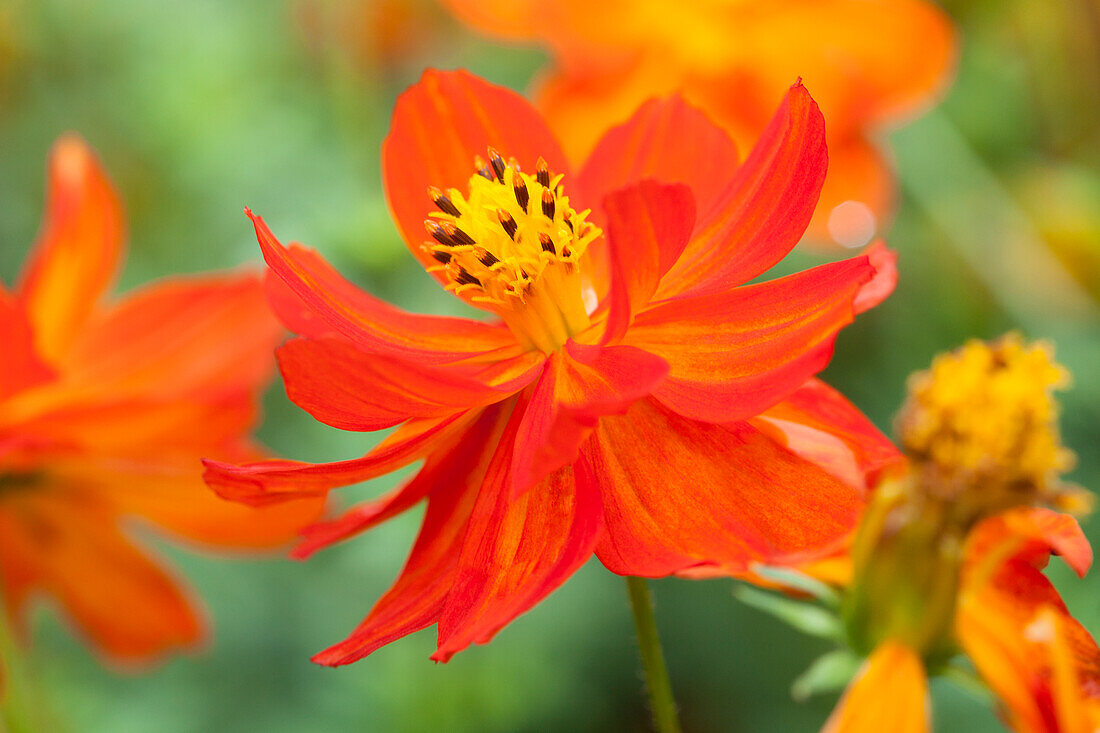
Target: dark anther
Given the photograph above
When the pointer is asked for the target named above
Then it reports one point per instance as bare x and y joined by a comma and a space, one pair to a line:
498, 164
522, 196
483, 168
548, 203
457, 235
438, 233
569, 223
445, 204
488, 259
547, 243
465, 278
514, 164
542, 172
441, 256
507, 222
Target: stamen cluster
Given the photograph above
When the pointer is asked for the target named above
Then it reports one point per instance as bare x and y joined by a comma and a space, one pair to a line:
512, 244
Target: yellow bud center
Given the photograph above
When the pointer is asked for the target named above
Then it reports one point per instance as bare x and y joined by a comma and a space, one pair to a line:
983, 419
511, 245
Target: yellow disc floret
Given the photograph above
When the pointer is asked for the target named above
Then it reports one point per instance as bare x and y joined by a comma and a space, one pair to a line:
511, 245
984, 418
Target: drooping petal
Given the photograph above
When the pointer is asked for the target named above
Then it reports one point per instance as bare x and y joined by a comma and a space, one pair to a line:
885, 262
373, 325
580, 385
889, 694
667, 140
267, 482
648, 225
122, 601
416, 600
517, 551
679, 494
1029, 534
78, 250
738, 353
819, 424
764, 210
352, 390
438, 126
21, 367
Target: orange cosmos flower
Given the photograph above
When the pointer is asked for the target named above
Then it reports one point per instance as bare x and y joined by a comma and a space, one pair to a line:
615, 405
950, 555
870, 64
106, 407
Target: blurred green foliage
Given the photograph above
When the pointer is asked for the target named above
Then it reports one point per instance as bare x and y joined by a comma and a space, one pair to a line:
201, 108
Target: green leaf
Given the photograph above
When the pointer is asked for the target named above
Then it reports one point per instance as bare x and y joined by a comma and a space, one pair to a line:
802, 615
828, 673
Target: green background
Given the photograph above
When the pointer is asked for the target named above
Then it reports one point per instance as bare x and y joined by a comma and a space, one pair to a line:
201, 108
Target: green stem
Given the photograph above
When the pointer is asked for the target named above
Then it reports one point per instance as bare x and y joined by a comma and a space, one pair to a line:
15, 713
661, 702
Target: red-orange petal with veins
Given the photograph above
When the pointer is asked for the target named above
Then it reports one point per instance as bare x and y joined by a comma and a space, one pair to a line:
735, 354
579, 386
516, 551
349, 389
372, 324
439, 125
79, 247
648, 225
765, 208
654, 144
679, 494
417, 597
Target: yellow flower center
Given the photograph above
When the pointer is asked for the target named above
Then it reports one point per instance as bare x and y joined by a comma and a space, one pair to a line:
984, 418
511, 245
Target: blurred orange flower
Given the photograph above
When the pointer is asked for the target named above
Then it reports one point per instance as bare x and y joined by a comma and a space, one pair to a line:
614, 405
107, 407
871, 63
950, 554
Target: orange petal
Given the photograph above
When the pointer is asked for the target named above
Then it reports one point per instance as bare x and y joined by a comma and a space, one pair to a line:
667, 140
438, 126
819, 424
117, 597
889, 694
1030, 534
579, 386
678, 494
416, 600
372, 324
648, 226
179, 336
269, 482
168, 492
352, 390
765, 208
736, 354
21, 367
79, 247
517, 551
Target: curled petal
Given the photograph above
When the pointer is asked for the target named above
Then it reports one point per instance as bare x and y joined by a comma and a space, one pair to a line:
268, 482
819, 424
764, 210
736, 354
371, 324
679, 494
439, 125
78, 250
